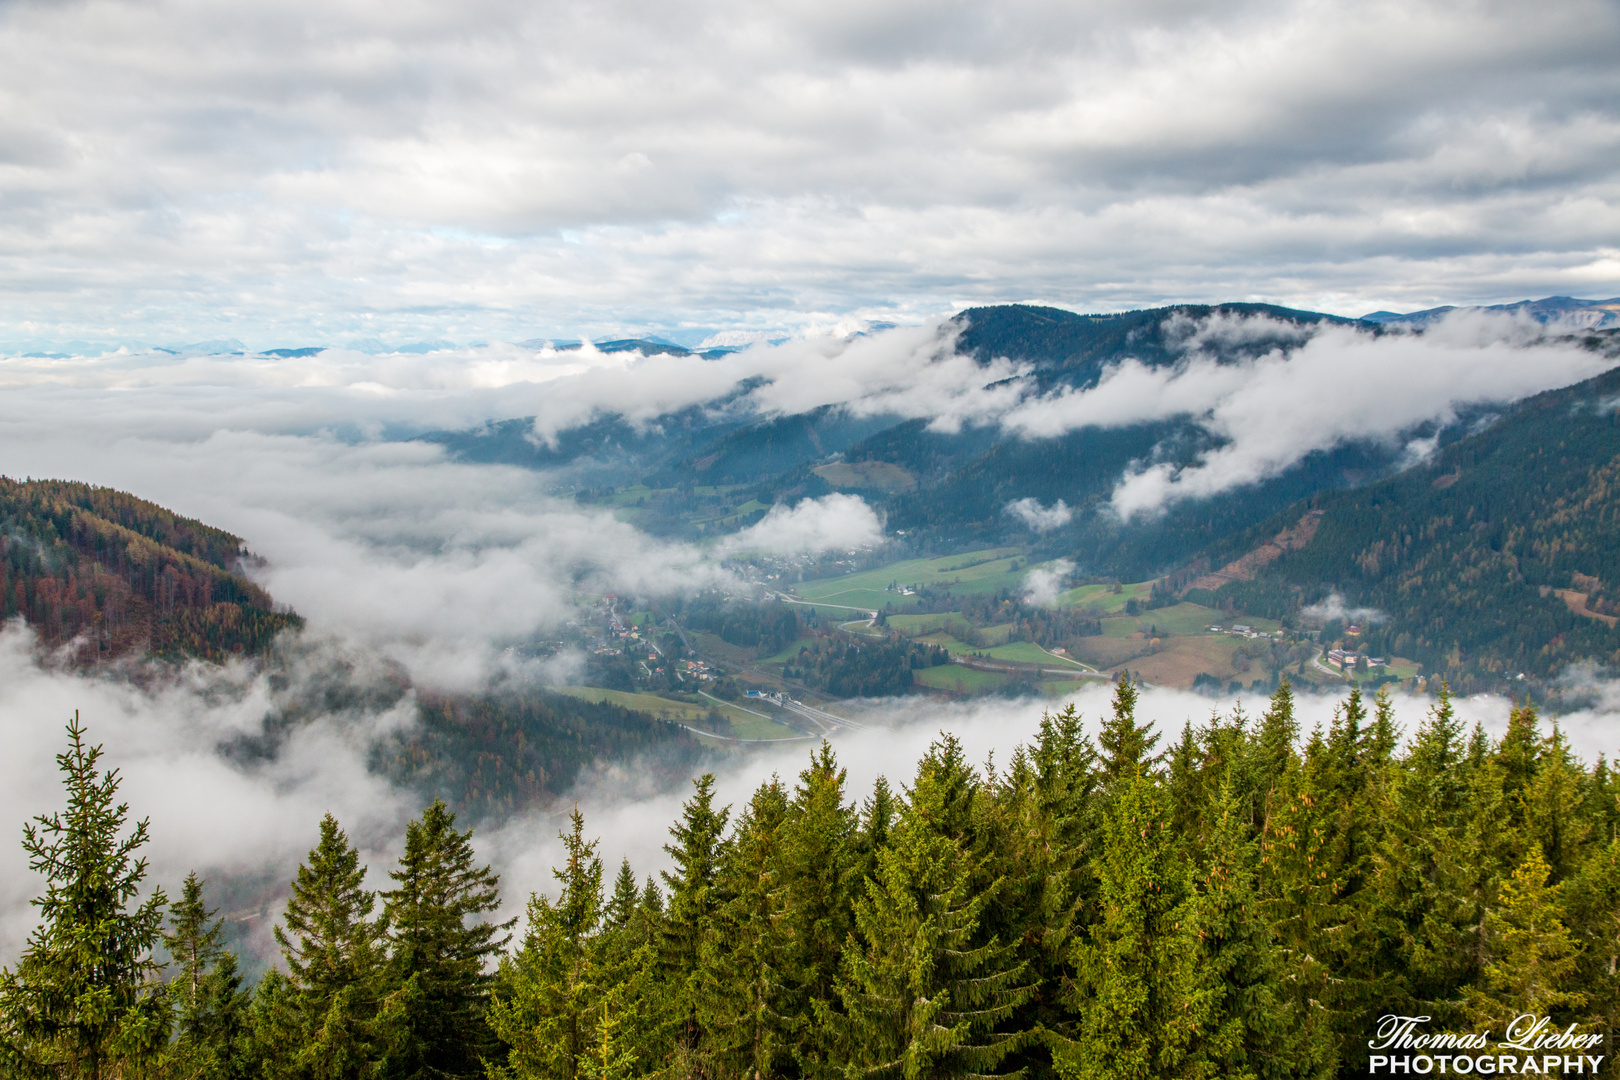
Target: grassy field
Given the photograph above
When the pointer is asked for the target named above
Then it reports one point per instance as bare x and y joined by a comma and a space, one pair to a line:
974, 572
662, 707
753, 727
955, 678
1402, 668
787, 655
1027, 652
1107, 652
1178, 619
882, 475
744, 725
1103, 600
1183, 659
919, 625
954, 646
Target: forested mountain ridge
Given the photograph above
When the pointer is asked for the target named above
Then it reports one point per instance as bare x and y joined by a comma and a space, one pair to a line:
959, 482
1075, 349
124, 576
1498, 556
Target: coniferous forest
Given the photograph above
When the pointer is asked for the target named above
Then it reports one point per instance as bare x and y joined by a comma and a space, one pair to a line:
1245, 900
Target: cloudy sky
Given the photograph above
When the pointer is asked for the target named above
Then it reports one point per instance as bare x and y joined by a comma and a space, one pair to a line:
302, 172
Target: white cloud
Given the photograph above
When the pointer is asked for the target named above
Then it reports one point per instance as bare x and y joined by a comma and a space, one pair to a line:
1341, 384
1040, 518
1043, 583
831, 523
255, 822
1334, 608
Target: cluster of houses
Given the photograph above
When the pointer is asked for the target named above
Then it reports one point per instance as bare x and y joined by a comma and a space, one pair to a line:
1346, 660
1241, 631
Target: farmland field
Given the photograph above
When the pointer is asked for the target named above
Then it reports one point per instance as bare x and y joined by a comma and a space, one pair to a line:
958, 679
1102, 598
744, 725
1027, 652
787, 655
1183, 659
1177, 619
973, 572
662, 707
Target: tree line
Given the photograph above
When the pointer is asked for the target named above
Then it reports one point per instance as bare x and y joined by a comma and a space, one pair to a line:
1243, 902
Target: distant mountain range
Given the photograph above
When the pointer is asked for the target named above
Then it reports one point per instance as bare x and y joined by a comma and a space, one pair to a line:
708, 471
1567, 310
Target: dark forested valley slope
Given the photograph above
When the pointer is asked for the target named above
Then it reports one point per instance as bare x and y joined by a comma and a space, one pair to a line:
123, 575
1500, 555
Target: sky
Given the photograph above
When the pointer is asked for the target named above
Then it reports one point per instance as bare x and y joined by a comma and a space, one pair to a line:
298, 172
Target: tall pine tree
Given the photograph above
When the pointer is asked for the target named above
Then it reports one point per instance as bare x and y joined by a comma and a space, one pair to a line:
432, 1021
334, 954
922, 997
85, 1002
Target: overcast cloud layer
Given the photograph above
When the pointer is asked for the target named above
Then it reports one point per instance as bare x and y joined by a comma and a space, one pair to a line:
298, 172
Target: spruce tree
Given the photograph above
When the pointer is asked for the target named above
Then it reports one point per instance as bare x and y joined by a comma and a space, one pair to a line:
1422, 913
1532, 957
1553, 806
85, 1002
433, 1018
1137, 991
1275, 754
819, 872
224, 1033
1591, 901
1045, 802
741, 993
547, 1006
920, 997
621, 906
1125, 747
211, 1006
872, 834
1253, 1029
334, 953
696, 853
193, 943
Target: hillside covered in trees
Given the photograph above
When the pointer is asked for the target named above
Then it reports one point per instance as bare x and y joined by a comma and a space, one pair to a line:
1246, 901
1500, 555
126, 576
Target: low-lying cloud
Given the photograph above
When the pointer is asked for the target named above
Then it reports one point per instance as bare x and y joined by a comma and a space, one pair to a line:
631, 820
1334, 609
1340, 385
254, 821
208, 814
831, 523
1043, 584
1040, 518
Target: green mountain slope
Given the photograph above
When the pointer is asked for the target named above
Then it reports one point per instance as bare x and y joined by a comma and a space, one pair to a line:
1499, 556
124, 575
